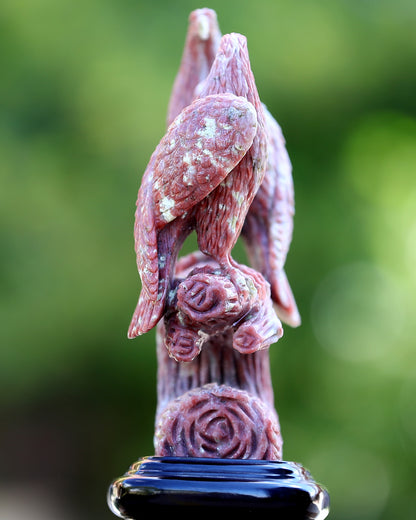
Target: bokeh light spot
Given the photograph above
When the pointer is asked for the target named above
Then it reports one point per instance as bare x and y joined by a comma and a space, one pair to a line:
357, 312
380, 159
407, 409
410, 244
361, 488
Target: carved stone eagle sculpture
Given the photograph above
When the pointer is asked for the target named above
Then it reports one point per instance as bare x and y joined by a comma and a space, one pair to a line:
221, 169
203, 175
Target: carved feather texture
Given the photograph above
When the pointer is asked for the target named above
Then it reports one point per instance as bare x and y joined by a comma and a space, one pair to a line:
201, 45
202, 145
221, 215
269, 223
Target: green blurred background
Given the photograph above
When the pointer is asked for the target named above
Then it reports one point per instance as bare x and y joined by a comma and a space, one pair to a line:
84, 88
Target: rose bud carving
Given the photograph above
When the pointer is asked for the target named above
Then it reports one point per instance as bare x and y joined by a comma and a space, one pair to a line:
183, 343
258, 331
211, 300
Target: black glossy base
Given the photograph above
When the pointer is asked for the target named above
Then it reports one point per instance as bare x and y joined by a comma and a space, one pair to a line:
190, 486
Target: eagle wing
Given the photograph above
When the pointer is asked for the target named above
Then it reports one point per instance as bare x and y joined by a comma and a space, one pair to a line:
201, 146
202, 41
269, 224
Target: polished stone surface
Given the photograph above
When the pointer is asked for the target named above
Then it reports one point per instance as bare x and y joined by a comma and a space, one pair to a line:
223, 487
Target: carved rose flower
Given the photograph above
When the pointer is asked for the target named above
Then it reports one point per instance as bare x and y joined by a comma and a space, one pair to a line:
210, 299
218, 421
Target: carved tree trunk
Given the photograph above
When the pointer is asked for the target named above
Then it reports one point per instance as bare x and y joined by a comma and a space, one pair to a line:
219, 405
